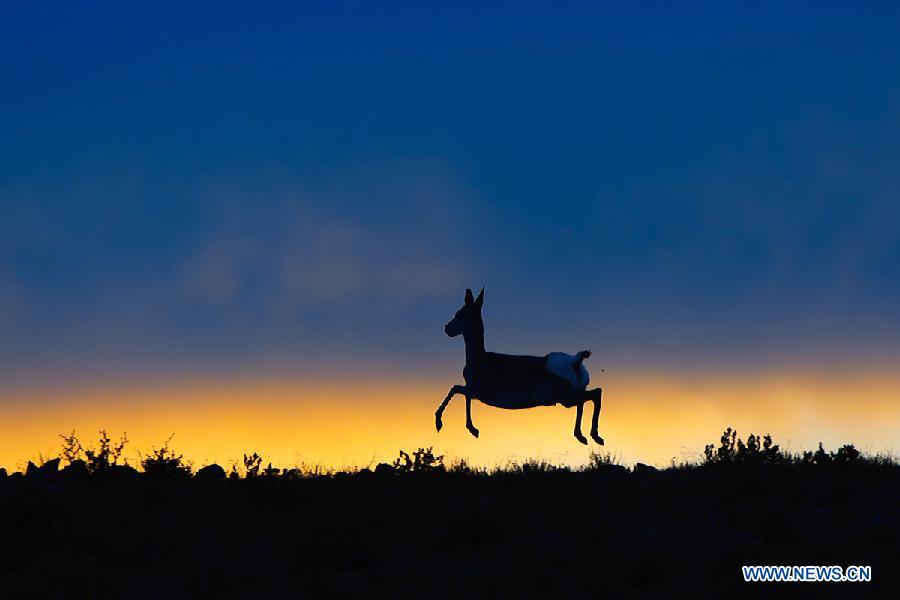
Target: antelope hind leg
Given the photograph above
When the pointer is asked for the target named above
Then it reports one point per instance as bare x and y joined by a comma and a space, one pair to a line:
597, 397
579, 408
469, 425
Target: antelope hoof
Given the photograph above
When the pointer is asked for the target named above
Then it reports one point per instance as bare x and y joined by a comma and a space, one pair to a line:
472, 430
580, 437
597, 438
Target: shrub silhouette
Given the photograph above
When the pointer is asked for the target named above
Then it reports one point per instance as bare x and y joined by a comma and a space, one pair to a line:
422, 460
732, 450
533, 465
845, 455
163, 462
252, 463
71, 448
463, 467
603, 460
763, 451
105, 456
820, 457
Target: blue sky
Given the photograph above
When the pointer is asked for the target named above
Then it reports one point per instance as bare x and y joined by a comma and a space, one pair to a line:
235, 187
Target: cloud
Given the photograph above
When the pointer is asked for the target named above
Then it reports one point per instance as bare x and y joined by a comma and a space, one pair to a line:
227, 271
372, 240
213, 274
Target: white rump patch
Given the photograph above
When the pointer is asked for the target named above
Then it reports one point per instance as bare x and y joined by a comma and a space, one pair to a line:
563, 365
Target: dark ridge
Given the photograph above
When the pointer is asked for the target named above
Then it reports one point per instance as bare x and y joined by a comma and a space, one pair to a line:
417, 528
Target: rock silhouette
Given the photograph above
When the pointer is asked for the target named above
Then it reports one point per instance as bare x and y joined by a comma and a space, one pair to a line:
211, 473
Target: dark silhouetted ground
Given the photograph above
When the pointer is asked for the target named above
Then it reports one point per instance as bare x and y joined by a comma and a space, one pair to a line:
419, 531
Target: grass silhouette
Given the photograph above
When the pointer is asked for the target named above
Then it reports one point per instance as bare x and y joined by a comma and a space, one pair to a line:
88, 525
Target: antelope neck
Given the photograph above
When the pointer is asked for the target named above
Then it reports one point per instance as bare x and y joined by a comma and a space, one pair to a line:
474, 345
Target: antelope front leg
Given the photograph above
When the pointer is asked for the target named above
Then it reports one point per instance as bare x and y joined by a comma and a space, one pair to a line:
469, 425
456, 389
579, 412
597, 397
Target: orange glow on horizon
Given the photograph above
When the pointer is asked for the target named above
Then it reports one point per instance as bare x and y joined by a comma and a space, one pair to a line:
650, 418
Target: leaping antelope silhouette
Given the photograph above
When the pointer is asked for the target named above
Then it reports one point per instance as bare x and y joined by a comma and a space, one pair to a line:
509, 381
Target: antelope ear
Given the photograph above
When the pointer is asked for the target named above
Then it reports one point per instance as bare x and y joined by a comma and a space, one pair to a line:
469, 298
480, 299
